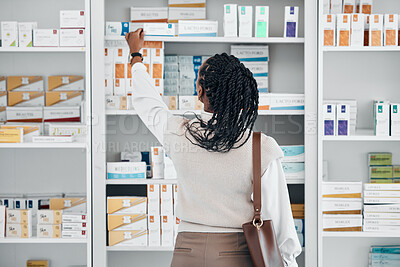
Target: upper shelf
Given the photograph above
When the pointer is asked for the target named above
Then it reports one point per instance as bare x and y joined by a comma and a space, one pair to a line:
189, 112
362, 135
361, 49
42, 49
35, 240
361, 234
251, 40
43, 145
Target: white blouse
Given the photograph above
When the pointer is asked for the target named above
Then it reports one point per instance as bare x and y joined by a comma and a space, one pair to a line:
275, 198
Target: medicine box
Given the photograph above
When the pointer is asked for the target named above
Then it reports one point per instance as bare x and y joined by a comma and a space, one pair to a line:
157, 162
380, 159
167, 230
24, 114
169, 168
342, 223
366, 6
25, 33
396, 171
329, 118
19, 203
149, 14
382, 118
245, 14
46, 38
127, 238
291, 22
71, 218
293, 153
336, 6
66, 83
186, 3
391, 29
262, 22
18, 230
329, 28
126, 170
125, 222
154, 230
153, 199
166, 199
366, 29
357, 30
62, 114
293, 170
11, 135
326, 6
64, 99
37, 263
250, 52
394, 119
376, 30
175, 193
75, 129
28, 132
25, 99
9, 34
159, 29
186, 13
230, 20
72, 37
349, 6
117, 28
74, 234
72, 19
341, 189
116, 102
17, 216
342, 120
49, 231
120, 86
69, 205
49, 216
199, 28
25, 83
74, 226
380, 172
126, 205
342, 206
343, 29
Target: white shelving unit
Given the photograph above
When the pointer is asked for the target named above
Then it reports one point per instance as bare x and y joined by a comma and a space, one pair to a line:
346, 73
143, 249
190, 112
48, 167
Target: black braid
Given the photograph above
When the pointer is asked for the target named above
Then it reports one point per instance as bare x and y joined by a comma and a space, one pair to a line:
233, 96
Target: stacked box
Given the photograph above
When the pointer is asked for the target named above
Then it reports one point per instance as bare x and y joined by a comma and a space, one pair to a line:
382, 207
298, 211
380, 167
186, 10
347, 116
74, 225
341, 206
19, 223
49, 223
293, 158
255, 58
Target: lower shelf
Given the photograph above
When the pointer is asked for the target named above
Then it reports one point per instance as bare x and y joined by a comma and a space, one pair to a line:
361, 234
35, 240
43, 145
129, 248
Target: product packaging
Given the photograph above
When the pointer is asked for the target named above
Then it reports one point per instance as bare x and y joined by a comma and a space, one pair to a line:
116, 102
176, 14
72, 19
157, 162
123, 222
245, 14
18, 216
69, 205
341, 189
342, 120
199, 28
391, 30
291, 21
349, 6
380, 159
166, 199
25, 33
167, 231
154, 230
127, 238
262, 22
24, 114
329, 118
394, 119
49, 216
230, 20
376, 30
357, 30
153, 199
126, 170
74, 234
343, 29
159, 29
75, 129
18, 230
64, 99
25, 83
49, 231
342, 223
126, 205
25, 99
117, 28
341, 206
46, 38
336, 6
366, 6
9, 34
72, 37
149, 14
382, 118
293, 153
329, 24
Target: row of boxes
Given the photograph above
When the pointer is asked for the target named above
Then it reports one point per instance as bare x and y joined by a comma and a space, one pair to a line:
40, 99
293, 162
26, 34
36, 83
386, 118
347, 6
41, 114
381, 169
340, 112
360, 30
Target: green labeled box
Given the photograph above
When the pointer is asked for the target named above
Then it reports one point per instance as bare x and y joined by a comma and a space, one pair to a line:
383, 172
380, 159
396, 171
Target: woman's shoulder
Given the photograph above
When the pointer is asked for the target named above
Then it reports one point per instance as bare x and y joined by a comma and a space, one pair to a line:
270, 148
176, 125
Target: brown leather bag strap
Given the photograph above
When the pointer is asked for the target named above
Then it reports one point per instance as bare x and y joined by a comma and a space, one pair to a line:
257, 175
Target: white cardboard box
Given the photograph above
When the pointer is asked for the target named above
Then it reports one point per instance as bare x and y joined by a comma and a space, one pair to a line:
49, 231
126, 205
342, 120
357, 30
72, 37
153, 199
74, 234
157, 162
49, 216
72, 19
391, 31
343, 29
349, 6
262, 22
149, 14
291, 22
25, 33
341, 189
18, 230
127, 238
382, 119
340, 205
154, 230
46, 38
125, 222
116, 28
230, 20
126, 170
167, 200
9, 34
159, 29
68, 218
186, 13
167, 230
245, 14
376, 30
341, 221
336, 6
74, 226
199, 28
394, 119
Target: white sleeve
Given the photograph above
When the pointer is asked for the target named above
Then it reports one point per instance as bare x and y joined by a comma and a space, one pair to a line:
276, 206
148, 102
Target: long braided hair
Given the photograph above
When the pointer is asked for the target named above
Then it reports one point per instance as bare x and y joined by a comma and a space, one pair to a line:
233, 95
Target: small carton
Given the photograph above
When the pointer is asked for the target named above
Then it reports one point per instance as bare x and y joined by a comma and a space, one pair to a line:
69, 205
125, 222
9, 34
66, 83
117, 28
336, 6
382, 118
230, 20
394, 119
18, 230
149, 14
167, 207
126, 205
75, 226
291, 21
357, 30
199, 28
380, 159
341, 189
62, 114
167, 230
64, 99
186, 13
341, 223
329, 24
262, 22
74, 218
127, 238
157, 162
293, 153
25, 33
49, 216
74, 234
126, 170
366, 6
46, 38
349, 6
25, 99
72, 37
154, 230
159, 29
343, 29
376, 30
24, 114
153, 198
245, 14
391, 29
16, 216
72, 19
342, 120
25, 83
49, 231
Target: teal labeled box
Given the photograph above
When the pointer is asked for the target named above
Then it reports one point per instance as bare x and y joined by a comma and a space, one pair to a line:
293, 153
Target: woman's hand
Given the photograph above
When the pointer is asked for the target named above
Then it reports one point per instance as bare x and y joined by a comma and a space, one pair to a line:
135, 40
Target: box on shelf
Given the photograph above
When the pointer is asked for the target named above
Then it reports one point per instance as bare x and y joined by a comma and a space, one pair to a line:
230, 20
198, 28
25, 83
123, 222
74, 218
342, 223
189, 103
126, 205
74, 234
293, 153
293, 170
9, 34
64, 98
116, 102
366, 6
66, 83
376, 30
349, 6
343, 120
127, 238
62, 114
126, 170
186, 3
281, 101
157, 162
329, 118
69, 205
149, 14
381, 228
245, 14
357, 30
341, 205
74, 226
49, 231
391, 29
3, 86
329, 28
75, 129
18, 216
26, 99
46, 38
326, 6
117, 28
49, 216
366, 29
53, 139
37, 263
29, 131
291, 22
72, 19
336, 6
154, 230
186, 13
167, 231
262, 22
72, 37
25, 33
380, 159
24, 114
159, 29
153, 199
18, 230
378, 172
343, 29
394, 119
169, 168
382, 118
167, 206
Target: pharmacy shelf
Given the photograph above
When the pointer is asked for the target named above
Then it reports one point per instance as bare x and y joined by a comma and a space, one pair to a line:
189, 112
43, 145
295, 181
362, 135
361, 234
35, 240
42, 49
141, 249
140, 181
231, 40
362, 49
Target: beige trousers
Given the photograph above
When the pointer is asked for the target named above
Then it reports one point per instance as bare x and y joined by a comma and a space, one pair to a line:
211, 250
